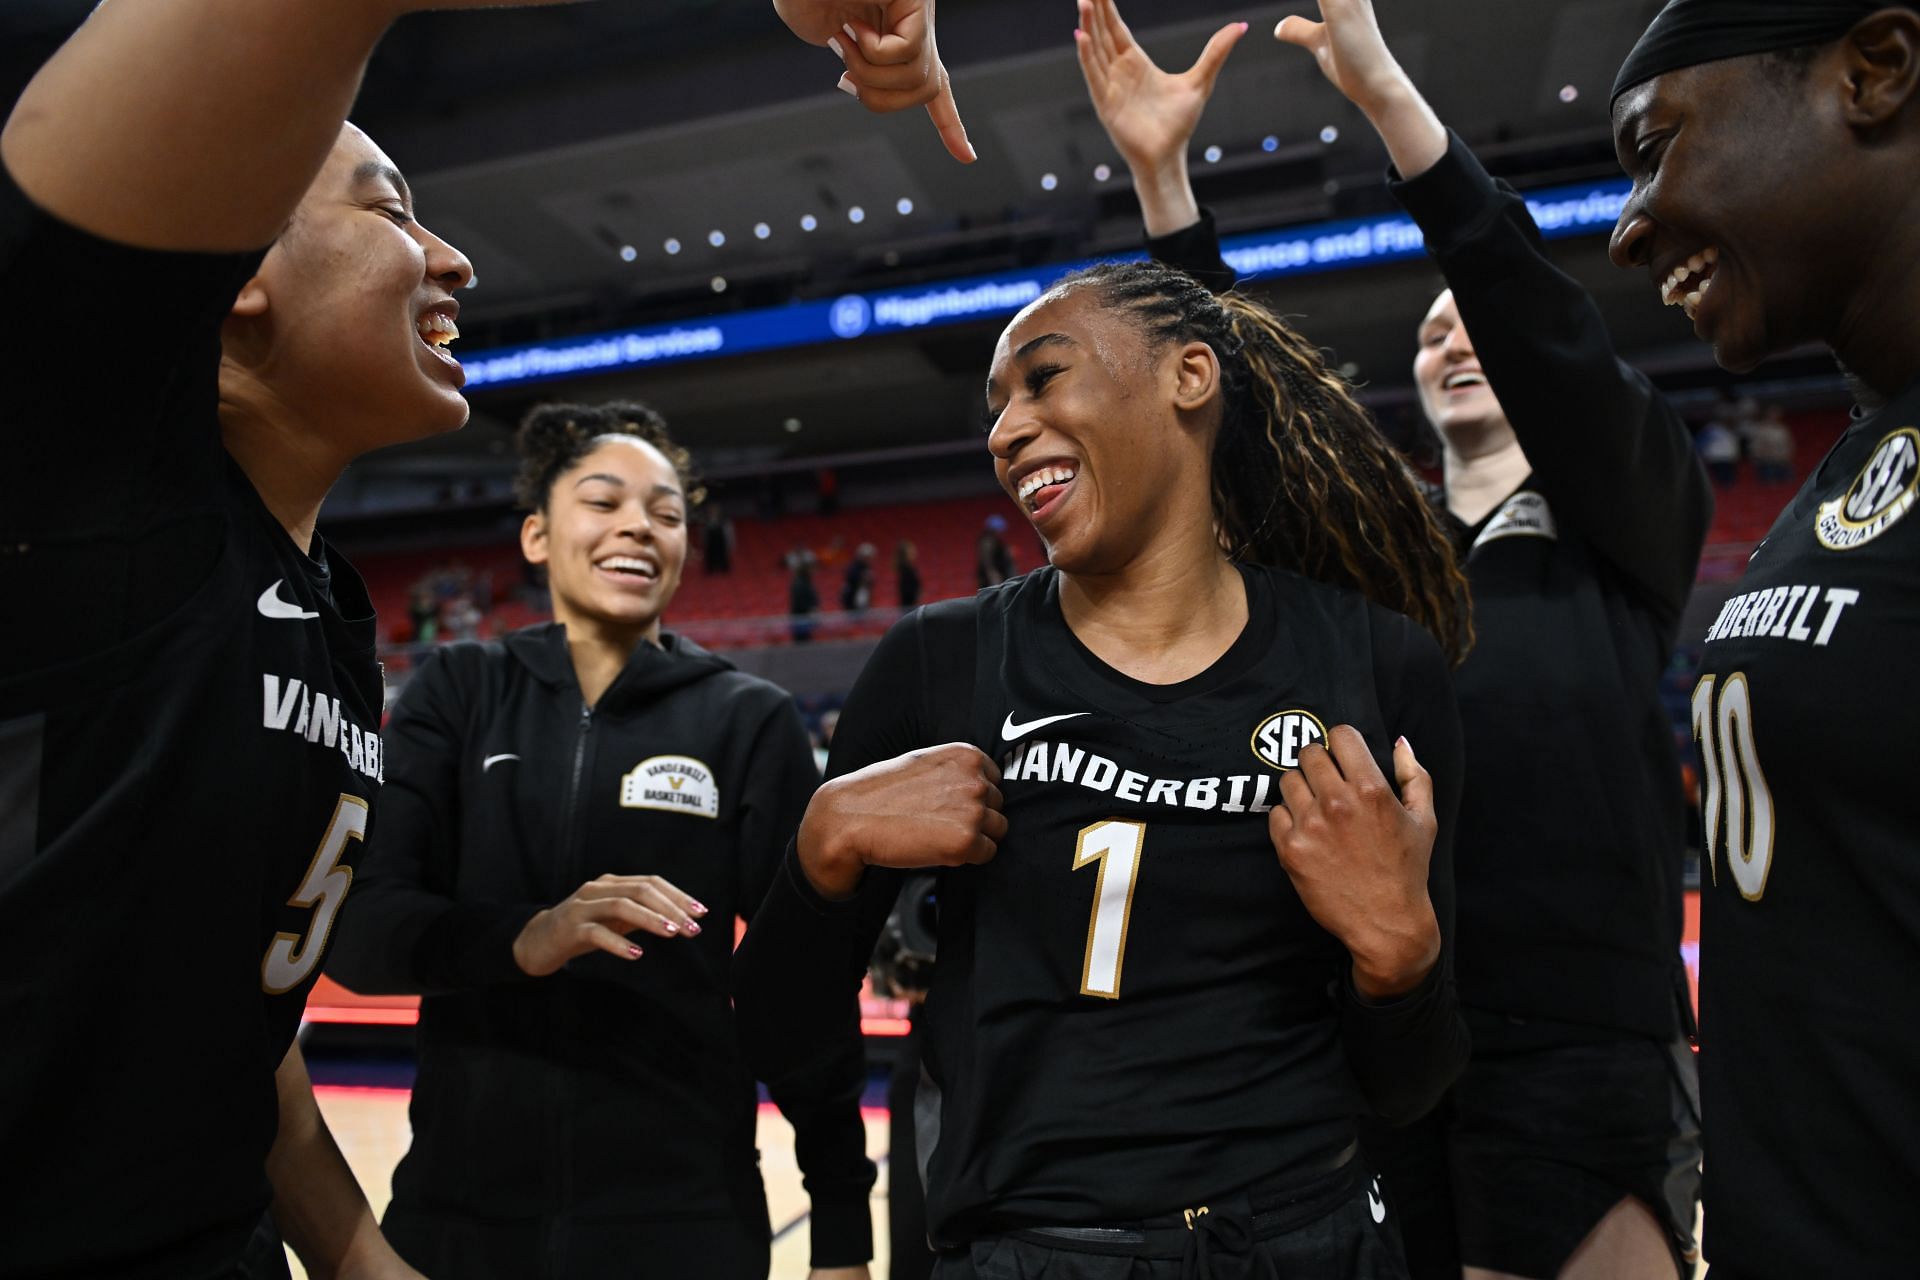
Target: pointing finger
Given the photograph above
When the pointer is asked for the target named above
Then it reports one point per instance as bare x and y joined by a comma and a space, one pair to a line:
946, 119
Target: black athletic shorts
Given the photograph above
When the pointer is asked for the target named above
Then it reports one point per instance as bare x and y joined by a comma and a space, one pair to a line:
457, 1247
1543, 1142
1337, 1227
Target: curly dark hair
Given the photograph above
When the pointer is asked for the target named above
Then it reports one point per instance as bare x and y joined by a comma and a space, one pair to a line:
1302, 478
554, 437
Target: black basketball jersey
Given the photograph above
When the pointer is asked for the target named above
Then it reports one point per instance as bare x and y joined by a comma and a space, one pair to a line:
1131, 1010
1810, 1056
185, 778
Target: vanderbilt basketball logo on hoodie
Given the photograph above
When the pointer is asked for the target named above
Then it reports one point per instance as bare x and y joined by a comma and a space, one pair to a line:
1524, 515
673, 784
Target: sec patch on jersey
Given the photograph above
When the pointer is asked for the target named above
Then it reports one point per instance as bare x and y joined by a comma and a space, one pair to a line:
1279, 739
1881, 494
672, 784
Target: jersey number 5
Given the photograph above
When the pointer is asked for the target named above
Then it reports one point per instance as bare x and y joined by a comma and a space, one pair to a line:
1116, 846
292, 956
1737, 790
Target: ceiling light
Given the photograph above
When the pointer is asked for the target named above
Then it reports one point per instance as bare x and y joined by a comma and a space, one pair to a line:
716, 238
672, 245
1568, 93
1330, 134
1213, 155
808, 222
1269, 144
856, 214
719, 284
1048, 181
792, 425
904, 206
628, 253
1101, 172
761, 231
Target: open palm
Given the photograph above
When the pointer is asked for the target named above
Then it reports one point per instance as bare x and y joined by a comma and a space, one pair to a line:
1150, 114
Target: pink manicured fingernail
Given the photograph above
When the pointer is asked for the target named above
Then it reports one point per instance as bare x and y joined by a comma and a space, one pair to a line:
845, 85
634, 953
851, 33
692, 928
1243, 28
672, 927
834, 44
697, 908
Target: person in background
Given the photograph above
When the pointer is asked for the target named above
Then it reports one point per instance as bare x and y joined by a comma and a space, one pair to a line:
906, 569
856, 592
581, 1106
1570, 1145
803, 598
992, 556
717, 543
1770, 445
1719, 449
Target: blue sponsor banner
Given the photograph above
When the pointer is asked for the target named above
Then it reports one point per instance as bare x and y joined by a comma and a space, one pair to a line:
1325, 246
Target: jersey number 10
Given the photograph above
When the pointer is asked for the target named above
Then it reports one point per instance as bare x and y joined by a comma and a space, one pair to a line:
291, 957
1736, 790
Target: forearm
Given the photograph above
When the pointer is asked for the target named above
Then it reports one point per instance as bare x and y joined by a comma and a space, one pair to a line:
1407, 1051
1165, 189
829, 1142
317, 1205
1413, 134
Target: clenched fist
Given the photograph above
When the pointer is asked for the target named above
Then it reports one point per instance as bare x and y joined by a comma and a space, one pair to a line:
936, 807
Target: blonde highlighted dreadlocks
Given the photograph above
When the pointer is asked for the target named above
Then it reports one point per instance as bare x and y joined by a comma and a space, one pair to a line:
1302, 479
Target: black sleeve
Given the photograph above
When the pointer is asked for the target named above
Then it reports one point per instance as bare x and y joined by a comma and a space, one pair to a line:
797, 974
1610, 454
402, 932
829, 1136
1196, 250
1405, 1052
112, 473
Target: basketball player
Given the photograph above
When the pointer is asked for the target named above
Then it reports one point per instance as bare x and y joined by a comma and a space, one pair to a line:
1775, 157
1570, 1142
190, 706
1148, 1035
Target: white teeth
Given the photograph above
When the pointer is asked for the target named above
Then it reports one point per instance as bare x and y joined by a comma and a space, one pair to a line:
1462, 379
437, 329
1671, 292
1042, 478
629, 563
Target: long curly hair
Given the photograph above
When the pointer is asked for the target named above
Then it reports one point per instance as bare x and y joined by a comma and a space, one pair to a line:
1302, 478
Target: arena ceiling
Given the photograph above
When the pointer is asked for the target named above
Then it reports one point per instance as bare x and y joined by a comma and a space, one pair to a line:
543, 141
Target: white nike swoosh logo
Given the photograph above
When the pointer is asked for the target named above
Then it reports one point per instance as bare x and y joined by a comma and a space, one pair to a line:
272, 606
1009, 731
491, 761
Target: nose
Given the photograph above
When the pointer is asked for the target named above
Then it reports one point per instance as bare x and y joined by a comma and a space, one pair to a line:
1011, 432
1459, 345
1632, 242
445, 263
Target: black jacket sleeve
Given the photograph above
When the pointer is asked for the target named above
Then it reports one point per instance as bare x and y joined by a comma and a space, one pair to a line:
1196, 250
797, 974
402, 932
829, 1136
1405, 1052
1606, 448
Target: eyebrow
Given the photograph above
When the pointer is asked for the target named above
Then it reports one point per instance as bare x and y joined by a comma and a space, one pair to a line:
658, 491
1032, 345
377, 171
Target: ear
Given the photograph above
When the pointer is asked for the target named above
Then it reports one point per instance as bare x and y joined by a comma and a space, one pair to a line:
1196, 377
251, 303
1882, 63
533, 538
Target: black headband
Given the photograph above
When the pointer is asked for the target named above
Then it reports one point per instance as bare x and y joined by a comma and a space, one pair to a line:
1689, 32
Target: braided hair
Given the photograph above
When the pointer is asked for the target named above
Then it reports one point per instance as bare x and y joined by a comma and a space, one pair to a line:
1302, 478
553, 438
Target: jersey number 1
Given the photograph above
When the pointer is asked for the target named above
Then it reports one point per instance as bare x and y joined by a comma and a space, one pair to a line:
292, 956
1737, 790
1115, 845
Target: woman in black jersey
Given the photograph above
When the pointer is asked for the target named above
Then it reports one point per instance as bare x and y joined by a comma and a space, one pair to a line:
1775, 157
1570, 1146
581, 1109
1147, 1034
216, 296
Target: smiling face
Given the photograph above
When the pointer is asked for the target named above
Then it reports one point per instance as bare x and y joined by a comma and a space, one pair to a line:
1745, 210
1453, 389
1101, 441
613, 537
347, 321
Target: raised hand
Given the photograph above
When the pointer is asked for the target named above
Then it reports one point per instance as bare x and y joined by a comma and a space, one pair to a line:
892, 59
1149, 114
936, 807
1353, 56
599, 916
1357, 855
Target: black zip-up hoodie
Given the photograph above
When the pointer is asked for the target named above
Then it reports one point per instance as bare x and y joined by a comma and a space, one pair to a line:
613, 1089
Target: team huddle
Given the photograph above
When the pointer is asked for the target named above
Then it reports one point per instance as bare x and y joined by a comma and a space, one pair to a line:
1307, 839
